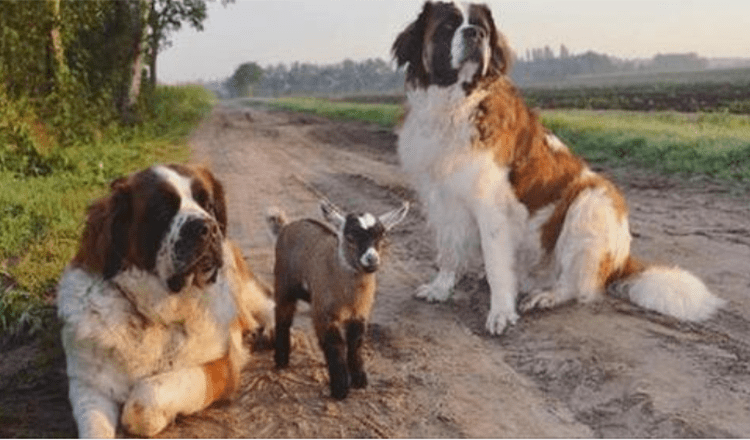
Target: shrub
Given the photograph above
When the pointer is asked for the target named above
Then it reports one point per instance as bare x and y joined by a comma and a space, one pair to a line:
46, 188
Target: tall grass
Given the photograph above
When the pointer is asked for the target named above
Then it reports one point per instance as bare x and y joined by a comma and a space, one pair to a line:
42, 214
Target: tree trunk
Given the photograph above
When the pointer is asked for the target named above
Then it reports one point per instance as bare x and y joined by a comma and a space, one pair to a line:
152, 70
139, 51
153, 44
60, 67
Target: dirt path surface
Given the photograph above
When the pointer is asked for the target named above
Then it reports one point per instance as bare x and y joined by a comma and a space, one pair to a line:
602, 370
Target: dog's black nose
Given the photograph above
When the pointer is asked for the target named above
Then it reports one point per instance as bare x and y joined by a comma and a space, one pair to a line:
473, 33
198, 228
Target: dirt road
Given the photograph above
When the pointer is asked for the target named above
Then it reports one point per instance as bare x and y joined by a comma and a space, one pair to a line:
601, 370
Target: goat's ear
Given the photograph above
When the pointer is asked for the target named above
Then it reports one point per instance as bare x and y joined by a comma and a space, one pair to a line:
332, 214
392, 218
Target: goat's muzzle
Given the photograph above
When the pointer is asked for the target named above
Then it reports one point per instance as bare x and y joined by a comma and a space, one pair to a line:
370, 261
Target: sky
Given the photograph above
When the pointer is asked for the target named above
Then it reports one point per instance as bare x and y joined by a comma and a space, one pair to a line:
269, 32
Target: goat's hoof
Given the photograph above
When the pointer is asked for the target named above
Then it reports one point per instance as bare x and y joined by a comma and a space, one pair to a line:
340, 394
281, 362
339, 389
359, 380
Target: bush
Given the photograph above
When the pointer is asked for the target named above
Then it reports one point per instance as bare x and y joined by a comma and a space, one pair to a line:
45, 193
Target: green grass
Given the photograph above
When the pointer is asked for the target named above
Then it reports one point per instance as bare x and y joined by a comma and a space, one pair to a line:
42, 215
712, 144
384, 115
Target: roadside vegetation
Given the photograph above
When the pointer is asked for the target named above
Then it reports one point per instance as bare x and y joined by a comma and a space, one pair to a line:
79, 106
46, 190
712, 144
384, 115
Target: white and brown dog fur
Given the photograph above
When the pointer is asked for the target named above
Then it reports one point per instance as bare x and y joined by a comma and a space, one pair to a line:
500, 188
155, 304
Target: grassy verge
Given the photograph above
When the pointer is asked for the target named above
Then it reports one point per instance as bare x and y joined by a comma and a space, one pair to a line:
42, 214
712, 144
384, 115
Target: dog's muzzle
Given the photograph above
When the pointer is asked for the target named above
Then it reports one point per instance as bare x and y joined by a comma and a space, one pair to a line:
197, 252
470, 45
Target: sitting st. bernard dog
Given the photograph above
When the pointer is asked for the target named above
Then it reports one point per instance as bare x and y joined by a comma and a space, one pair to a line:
498, 186
155, 302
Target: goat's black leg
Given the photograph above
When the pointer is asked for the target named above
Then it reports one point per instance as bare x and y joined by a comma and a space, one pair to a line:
284, 315
355, 331
334, 347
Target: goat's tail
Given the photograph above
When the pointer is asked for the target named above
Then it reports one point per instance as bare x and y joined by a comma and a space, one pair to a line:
669, 290
276, 219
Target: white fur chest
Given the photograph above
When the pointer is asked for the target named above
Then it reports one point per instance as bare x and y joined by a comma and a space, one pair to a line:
438, 132
112, 341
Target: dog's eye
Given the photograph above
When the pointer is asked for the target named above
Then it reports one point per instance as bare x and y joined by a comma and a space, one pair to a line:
201, 197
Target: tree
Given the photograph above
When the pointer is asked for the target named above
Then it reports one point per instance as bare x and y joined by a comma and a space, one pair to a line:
564, 53
56, 45
139, 34
167, 16
243, 78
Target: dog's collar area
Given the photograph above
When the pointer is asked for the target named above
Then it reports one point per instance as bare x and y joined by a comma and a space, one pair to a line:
146, 316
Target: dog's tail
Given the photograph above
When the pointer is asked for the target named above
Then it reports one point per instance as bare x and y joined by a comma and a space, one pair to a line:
275, 219
668, 290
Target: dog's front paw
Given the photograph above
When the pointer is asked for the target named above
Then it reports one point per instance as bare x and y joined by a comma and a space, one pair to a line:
498, 320
439, 290
141, 414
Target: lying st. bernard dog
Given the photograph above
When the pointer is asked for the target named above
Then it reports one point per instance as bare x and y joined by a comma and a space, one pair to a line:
155, 302
497, 185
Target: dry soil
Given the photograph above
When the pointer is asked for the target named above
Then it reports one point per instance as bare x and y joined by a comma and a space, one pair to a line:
602, 370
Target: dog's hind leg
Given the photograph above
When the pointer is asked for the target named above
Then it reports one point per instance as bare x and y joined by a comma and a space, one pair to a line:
578, 278
594, 241
440, 289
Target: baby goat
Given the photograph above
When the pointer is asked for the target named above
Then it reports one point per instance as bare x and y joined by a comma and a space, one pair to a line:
334, 270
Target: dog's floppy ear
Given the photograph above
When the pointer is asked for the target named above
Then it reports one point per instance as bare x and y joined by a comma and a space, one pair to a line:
501, 60
121, 214
219, 203
104, 243
407, 49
